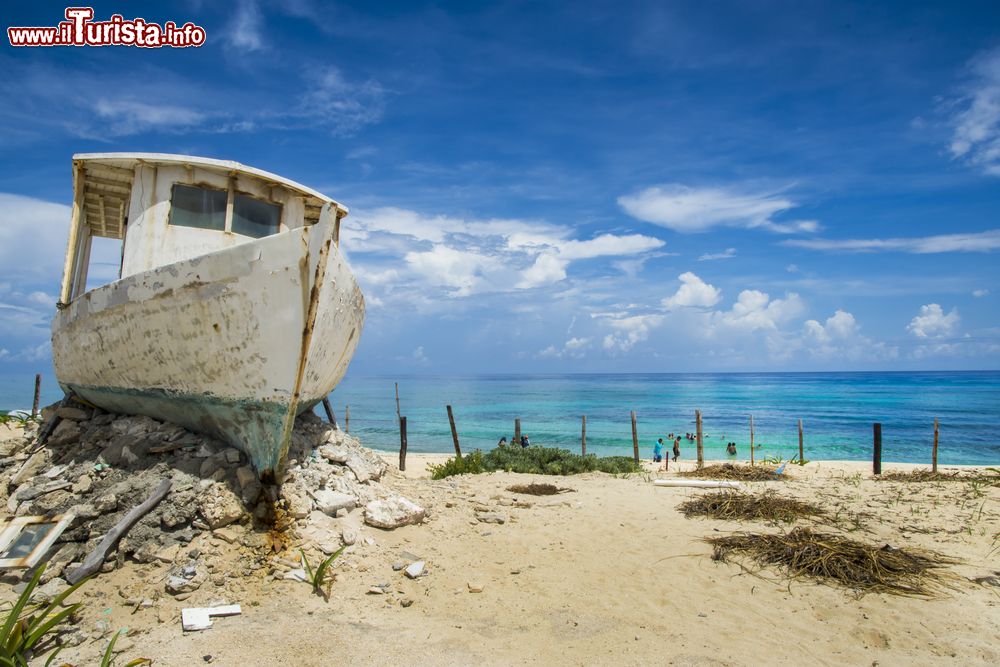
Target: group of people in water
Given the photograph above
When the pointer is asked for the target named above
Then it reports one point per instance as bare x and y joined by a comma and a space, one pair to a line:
676, 440
524, 442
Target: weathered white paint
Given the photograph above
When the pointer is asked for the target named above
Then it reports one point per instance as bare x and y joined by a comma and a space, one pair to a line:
223, 333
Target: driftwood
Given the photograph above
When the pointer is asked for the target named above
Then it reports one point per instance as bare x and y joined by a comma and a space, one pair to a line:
96, 557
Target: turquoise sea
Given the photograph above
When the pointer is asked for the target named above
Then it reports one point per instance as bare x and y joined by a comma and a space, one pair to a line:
837, 410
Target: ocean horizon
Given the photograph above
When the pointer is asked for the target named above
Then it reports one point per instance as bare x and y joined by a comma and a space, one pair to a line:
837, 410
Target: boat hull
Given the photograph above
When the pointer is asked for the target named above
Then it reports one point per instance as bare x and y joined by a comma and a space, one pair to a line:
233, 344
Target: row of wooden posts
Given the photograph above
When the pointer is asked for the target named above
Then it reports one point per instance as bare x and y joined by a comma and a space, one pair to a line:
876, 433
876, 454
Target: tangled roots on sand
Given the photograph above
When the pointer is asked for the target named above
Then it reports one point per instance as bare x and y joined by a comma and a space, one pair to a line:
736, 506
737, 472
833, 558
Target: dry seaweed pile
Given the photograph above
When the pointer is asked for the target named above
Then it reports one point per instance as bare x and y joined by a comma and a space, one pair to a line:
735, 472
833, 558
925, 475
735, 506
538, 489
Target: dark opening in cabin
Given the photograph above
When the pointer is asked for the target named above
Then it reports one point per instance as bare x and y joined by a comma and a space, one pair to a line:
256, 218
203, 208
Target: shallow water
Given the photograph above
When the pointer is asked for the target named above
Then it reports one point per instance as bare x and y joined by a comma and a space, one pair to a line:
837, 410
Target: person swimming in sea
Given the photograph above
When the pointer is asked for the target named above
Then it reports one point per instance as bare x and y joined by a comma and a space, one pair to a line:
658, 451
502, 442
677, 448
731, 449
525, 443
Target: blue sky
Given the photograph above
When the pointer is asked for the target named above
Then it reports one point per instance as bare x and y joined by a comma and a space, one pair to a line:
568, 187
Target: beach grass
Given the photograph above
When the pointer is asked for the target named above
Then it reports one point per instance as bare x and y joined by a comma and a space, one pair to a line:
535, 489
828, 558
736, 506
924, 475
533, 460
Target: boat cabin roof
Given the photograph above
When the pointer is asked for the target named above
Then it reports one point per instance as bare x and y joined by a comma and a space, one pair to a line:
107, 186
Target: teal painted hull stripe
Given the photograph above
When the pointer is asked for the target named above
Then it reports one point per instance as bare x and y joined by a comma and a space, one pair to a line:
252, 426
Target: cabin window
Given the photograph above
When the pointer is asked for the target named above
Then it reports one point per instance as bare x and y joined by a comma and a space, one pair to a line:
253, 217
203, 208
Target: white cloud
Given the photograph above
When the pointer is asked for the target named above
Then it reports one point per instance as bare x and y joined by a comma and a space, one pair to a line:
980, 293
547, 269
931, 322
754, 310
629, 330
693, 293
728, 253
419, 356
574, 348
976, 137
123, 117
244, 31
840, 338
459, 270
686, 209
971, 242
344, 106
608, 245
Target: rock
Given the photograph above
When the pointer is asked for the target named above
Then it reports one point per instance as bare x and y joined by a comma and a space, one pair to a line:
329, 502
393, 513
229, 534
168, 554
74, 414
333, 454
208, 467
475, 587
220, 506
232, 455
491, 517
298, 574
128, 458
414, 570
83, 485
106, 503
375, 590
185, 580
30, 468
398, 565
348, 537
297, 497
67, 431
246, 476
405, 602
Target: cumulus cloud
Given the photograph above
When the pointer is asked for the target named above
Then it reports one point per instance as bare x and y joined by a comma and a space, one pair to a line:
932, 322
976, 136
574, 348
693, 293
628, 330
686, 209
470, 256
987, 241
840, 338
755, 310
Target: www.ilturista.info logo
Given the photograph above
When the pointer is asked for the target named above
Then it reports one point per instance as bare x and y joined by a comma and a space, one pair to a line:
79, 29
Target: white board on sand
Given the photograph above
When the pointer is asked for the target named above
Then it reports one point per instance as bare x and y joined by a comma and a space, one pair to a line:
696, 483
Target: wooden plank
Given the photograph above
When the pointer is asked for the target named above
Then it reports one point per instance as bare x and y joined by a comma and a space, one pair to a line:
934, 451
330, 417
751, 439
92, 563
454, 433
74, 237
402, 444
701, 449
517, 432
38, 391
635, 439
583, 437
802, 458
877, 448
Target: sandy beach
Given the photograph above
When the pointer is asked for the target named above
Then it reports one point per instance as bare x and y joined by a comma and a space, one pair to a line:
607, 573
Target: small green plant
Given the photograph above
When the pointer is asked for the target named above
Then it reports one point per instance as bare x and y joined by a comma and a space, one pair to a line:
321, 579
534, 460
28, 624
773, 460
109, 661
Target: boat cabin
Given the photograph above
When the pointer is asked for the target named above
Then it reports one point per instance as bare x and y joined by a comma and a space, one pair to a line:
168, 208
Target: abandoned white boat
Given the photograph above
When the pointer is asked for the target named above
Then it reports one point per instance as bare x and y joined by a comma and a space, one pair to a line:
234, 310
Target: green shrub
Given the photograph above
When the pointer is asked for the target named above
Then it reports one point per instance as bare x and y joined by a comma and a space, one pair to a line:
533, 460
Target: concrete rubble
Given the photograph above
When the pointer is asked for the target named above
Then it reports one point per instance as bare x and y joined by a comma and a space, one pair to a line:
100, 465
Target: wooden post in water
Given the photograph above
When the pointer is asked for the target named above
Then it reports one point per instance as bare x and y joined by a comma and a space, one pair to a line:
877, 450
751, 439
454, 433
402, 444
802, 457
517, 432
635, 439
701, 449
38, 392
330, 417
397, 401
583, 437
347, 419
934, 451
